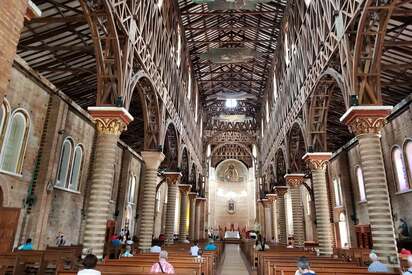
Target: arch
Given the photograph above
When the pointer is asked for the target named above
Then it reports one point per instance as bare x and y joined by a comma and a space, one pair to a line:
399, 169
4, 119
280, 163
63, 172
15, 141
297, 149
327, 104
361, 183
170, 148
233, 143
185, 167
76, 167
232, 150
143, 85
407, 150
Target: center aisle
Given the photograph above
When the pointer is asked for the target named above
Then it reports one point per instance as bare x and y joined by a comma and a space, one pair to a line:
233, 263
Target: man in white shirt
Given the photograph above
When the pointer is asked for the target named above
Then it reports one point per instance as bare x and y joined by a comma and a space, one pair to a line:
89, 263
194, 250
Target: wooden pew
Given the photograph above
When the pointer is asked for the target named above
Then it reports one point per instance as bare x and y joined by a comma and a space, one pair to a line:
8, 264
286, 270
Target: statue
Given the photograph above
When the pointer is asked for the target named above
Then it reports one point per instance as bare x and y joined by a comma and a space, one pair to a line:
231, 174
403, 229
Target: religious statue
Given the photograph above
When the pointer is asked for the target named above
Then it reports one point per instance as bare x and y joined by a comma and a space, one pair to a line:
231, 174
231, 206
403, 229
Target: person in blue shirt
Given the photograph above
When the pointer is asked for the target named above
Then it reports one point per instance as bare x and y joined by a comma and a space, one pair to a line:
210, 246
26, 246
409, 270
376, 265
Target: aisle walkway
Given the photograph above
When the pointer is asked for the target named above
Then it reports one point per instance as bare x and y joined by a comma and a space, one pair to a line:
233, 263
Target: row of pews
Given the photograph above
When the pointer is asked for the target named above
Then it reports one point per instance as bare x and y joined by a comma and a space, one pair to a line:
49, 261
282, 261
66, 261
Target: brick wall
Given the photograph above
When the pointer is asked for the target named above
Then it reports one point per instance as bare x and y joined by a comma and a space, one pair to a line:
11, 22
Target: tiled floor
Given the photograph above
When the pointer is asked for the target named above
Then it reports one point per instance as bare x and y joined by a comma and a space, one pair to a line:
233, 263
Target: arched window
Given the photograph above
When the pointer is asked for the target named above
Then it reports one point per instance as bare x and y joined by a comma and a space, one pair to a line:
76, 168
267, 110
275, 88
179, 47
343, 231
287, 61
361, 184
132, 190
261, 126
15, 142
399, 169
337, 188
408, 156
4, 116
64, 163
158, 201
196, 105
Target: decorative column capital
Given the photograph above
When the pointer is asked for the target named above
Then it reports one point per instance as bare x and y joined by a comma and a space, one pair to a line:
192, 196
152, 159
281, 191
294, 180
172, 178
366, 119
317, 161
110, 120
184, 188
272, 197
200, 199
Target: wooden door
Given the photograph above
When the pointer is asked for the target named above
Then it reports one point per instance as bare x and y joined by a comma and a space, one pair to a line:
9, 219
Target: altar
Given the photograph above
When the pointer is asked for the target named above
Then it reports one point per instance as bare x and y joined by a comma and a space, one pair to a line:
232, 235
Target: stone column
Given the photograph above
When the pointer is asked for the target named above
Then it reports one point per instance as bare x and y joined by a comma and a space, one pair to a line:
318, 163
280, 205
152, 160
192, 222
295, 181
272, 198
110, 122
267, 217
172, 179
261, 217
183, 230
366, 123
201, 217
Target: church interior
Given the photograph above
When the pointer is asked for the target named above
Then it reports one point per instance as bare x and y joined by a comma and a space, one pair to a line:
273, 136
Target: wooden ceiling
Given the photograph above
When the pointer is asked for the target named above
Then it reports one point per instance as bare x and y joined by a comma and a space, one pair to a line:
257, 30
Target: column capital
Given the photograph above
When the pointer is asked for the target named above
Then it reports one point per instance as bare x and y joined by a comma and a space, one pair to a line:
200, 199
272, 197
317, 161
184, 188
281, 191
192, 195
172, 177
294, 180
366, 119
110, 120
152, 159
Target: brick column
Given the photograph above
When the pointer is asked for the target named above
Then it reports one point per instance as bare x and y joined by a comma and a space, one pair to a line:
183, 230
192, 222
267, 216
172, 179
295, 181
366, 122
318, 163
110, 122
12, 14
152, 160
280, 206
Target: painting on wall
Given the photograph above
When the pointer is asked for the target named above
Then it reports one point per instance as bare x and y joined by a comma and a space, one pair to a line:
231, 206
231, 171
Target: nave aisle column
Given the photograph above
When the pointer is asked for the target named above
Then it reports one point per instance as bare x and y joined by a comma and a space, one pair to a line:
281, 210
366, 122
267, 203
272, 198
183, 228
318, 164
192, 221
295, 181
172, 179
110, 123
152, 160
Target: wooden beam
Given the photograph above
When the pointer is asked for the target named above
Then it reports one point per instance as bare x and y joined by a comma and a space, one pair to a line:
228, 13
54, 19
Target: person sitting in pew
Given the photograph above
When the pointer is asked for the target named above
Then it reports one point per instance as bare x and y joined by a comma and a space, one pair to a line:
304, 267
128, 252
89, 264
376, 265
409, 270
194, 250
26, 246
155, 247
162, 266
210, 246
